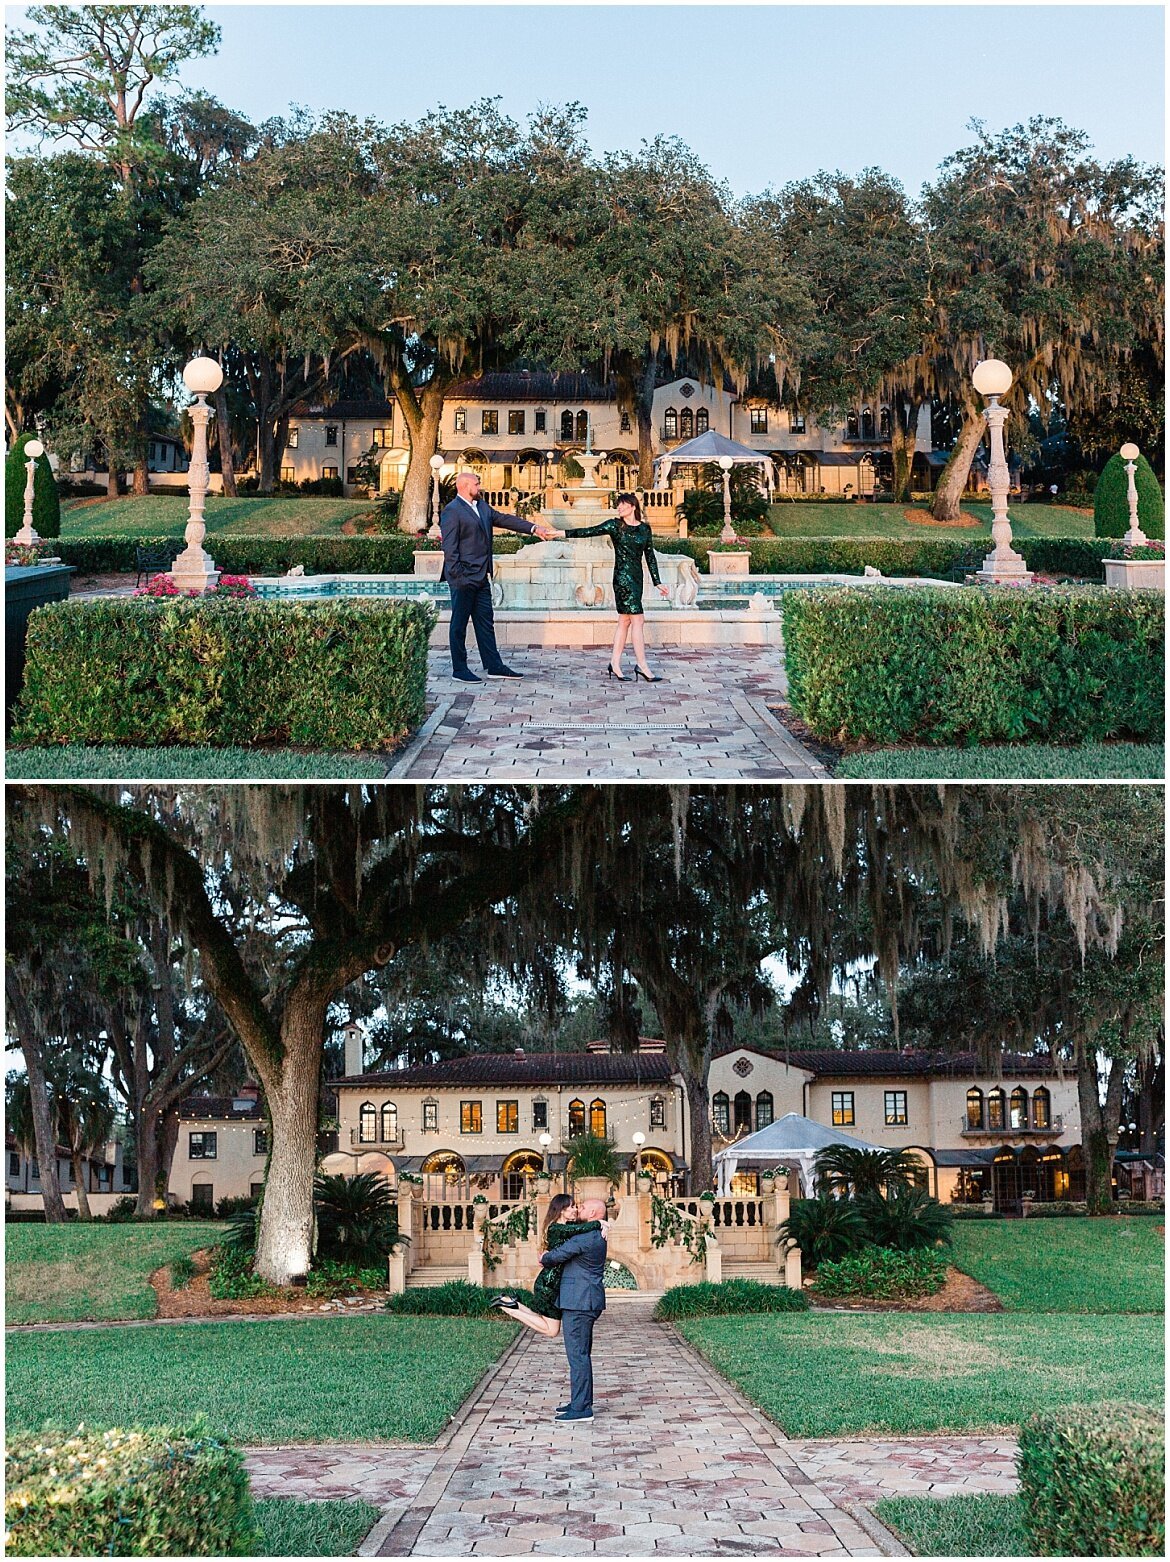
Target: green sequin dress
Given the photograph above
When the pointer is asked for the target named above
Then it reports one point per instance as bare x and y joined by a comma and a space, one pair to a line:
546, 1288
631, 544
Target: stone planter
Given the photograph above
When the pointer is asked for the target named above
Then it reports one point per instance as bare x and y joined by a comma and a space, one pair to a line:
592, 1188
1136, 574
730, 563
645, 1184
428, 563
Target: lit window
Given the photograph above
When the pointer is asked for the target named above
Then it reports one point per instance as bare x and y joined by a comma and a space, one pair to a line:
759, 419
328, 471
1019, 1108
686, 424
721, 1112
507, 1117
491, 422
471, 1117
287, 474
896, 1108
1041, 1109
294, 438
658, 1112
576, 1118
702, 420
430, 1119
670, 423
380, 438
974, 1107
515, 423
461, 420
842, 1108
367, 1123
389, 1121
597, 1118
996, 1109
796, 423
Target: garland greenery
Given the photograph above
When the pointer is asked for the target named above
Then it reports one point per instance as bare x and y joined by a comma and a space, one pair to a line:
498, 1233
667, 1222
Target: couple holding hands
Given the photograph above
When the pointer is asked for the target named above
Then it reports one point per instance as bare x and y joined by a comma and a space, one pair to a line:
466, 525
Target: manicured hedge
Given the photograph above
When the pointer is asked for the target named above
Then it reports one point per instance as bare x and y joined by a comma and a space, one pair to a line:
389, 554
347, 674
707, 1299
46, 499
976, 666
151, 1493
1092, 1478
456, 1299
1064, 1207
1111, 500
883, 1273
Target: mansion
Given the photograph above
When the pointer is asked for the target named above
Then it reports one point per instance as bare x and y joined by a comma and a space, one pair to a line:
516, 429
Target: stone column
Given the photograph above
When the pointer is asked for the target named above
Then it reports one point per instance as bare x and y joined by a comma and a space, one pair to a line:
1134, 537
792, 1270
1003, 564
194, 569
27, 536
714, 1260
645, 1221
406, 1229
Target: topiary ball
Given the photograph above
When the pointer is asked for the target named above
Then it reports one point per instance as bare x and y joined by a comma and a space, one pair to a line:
46, 499
1111, 506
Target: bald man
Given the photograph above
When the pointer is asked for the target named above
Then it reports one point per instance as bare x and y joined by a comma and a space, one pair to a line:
582, 1301
466, 526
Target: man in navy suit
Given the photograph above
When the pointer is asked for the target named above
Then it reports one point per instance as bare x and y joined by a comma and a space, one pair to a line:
582, 1301
466, 524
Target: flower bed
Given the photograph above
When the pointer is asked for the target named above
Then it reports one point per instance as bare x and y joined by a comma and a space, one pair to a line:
337, 675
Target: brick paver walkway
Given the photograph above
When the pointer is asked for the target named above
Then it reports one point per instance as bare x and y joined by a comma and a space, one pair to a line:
707, 721
675, 1463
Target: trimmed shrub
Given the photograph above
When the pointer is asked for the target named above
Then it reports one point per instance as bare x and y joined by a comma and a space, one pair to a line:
1065, 1207
1092, 1478
825, 1228
456, 1299
338, 675
46, 499
907, 1219
234, 1204
883, 1274
357, 1218
1111, 504
976, 666
728, 1296
127, 1493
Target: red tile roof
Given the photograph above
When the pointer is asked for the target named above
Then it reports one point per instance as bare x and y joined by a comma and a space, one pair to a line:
533, 1068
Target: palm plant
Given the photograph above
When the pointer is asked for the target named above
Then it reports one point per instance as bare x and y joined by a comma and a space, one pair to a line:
592, 1156
847, 1168
907, 1219
825, 1228
81, 1114
357, 1218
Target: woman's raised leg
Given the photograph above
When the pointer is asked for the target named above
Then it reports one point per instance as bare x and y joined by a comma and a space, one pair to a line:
549, 1327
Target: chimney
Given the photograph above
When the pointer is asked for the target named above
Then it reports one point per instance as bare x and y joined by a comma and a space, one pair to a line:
250, 1089
518, 1052
355, 1048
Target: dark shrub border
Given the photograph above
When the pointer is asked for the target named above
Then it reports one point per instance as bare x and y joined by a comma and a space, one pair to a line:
336, 675
709, 1299
977, 666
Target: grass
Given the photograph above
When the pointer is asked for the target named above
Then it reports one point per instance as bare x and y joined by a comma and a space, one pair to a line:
165, 515
984, 1524
312, 1529
889, 520
1009, 762
67, 1274
74, 760
1070, 1265
828, 1375
299, 1380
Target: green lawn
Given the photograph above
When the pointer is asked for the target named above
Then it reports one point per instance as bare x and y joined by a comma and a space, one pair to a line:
1009, 762
71, 761
981, 1525
889, 520
312, 1529
827, 1375
165, 515
1072, 1265
373, 1377
65, 1274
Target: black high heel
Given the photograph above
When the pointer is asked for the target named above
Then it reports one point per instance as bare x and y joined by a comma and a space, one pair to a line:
621, 677
649, 677
503, 1301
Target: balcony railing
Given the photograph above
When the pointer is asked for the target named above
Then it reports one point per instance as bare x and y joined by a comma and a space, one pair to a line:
977, 1130
376, 1141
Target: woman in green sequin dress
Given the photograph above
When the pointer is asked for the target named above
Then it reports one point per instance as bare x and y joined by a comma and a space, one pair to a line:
545, 1315
632, 541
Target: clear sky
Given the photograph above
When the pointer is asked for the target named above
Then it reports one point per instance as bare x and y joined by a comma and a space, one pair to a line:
763, 93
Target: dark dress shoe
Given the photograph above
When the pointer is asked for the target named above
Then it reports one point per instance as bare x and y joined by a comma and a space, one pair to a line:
575, 1415
503, 1301
504, 672
468, 677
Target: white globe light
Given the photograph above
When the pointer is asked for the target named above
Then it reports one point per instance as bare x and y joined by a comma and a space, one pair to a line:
34, 448
436, 462
726, 463
1129, 452
639, 1139
202, 376
545, 1140
992, 377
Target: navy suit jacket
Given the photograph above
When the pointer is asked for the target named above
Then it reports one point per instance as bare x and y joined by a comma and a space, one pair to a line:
583, 1275
467, 540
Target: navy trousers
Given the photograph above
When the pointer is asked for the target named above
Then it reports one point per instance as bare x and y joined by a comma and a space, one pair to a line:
577, 1329
474, 604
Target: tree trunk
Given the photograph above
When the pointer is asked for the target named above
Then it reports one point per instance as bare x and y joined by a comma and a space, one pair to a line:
422, 415
646, 425
949, 493
111, 478
167, 1140
902, 441
285, 1237
223, 438
147, 1166
699, 1107
1100, 1126
79, 1168
45, 1139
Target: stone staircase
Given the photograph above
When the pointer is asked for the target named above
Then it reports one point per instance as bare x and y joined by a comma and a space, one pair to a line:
435, 1274
766, 1274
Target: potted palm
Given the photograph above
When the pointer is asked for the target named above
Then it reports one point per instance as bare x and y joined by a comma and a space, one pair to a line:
594, 1166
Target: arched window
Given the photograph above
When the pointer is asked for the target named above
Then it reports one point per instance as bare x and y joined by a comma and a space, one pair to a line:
389, 1120
851, 426
686, 424
743, 1110
721, 1112
566, 425
576, 1118
597, 1118
702, 420
367, 1123
670, 423
974, 1107
1041, 1108
1019, 1108
765, 1109
885, 423
996, 1109
582, 425
866, 423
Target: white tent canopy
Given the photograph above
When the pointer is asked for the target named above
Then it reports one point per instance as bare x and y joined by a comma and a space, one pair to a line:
791, 1139
710, 446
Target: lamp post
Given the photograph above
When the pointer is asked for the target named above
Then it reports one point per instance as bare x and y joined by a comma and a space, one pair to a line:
993, 379
639, 1141
194, 570
728, 532
1134, 537
435, 534
26, 537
